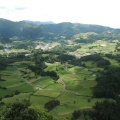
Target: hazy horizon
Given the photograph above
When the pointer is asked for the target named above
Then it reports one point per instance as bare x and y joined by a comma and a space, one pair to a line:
98, 12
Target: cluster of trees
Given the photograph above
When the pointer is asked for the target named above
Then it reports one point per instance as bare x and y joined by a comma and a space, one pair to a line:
22, 110
12, 58
76, 114
90, 38
1, 47
107, 87
115, 57
12, 94
51, 104
101, 36
65, 58
38, 70
98, 59
85, 40
117, 47
3, 62
5, 40
108, 83
21, 46
4, 88
1, 79
57, 56
0, 98
39, 67
52, 74
63, 48
105, 110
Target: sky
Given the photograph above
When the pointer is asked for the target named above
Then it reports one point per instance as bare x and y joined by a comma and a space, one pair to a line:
100, 12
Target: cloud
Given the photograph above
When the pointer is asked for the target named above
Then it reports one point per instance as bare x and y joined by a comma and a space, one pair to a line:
2, 7
20, 8
102, 12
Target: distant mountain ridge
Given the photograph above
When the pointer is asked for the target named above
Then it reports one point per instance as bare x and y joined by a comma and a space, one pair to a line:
49, 30
38, 22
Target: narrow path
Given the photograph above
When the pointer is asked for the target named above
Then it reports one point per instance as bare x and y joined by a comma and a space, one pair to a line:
61, 79
63, 83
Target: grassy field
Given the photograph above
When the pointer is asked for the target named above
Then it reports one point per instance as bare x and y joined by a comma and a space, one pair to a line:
73, 88
76, 95
78, 81
98, 46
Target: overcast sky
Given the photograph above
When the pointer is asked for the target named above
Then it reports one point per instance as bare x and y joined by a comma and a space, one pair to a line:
101, 12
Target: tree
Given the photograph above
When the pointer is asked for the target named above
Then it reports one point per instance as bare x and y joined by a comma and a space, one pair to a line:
22, 110
76, 114
108, 83
51, 104
5, 40
106, 110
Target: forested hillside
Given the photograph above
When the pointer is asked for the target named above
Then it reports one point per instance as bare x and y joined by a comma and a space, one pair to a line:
31, 30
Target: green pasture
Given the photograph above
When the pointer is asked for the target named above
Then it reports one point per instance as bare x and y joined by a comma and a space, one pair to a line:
59, 68
78, 81
49, 93
9, 81
75, 69
43, 82
24, 88
50, 67
39, 100
3, 92
62, 71
113, 62
45, 55
68, 80
98, 46
71, 102
11, 76
82, 87
54, 87
8, 71
17, 97
90, 64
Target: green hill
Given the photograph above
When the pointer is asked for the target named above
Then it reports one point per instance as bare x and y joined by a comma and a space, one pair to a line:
47, 31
